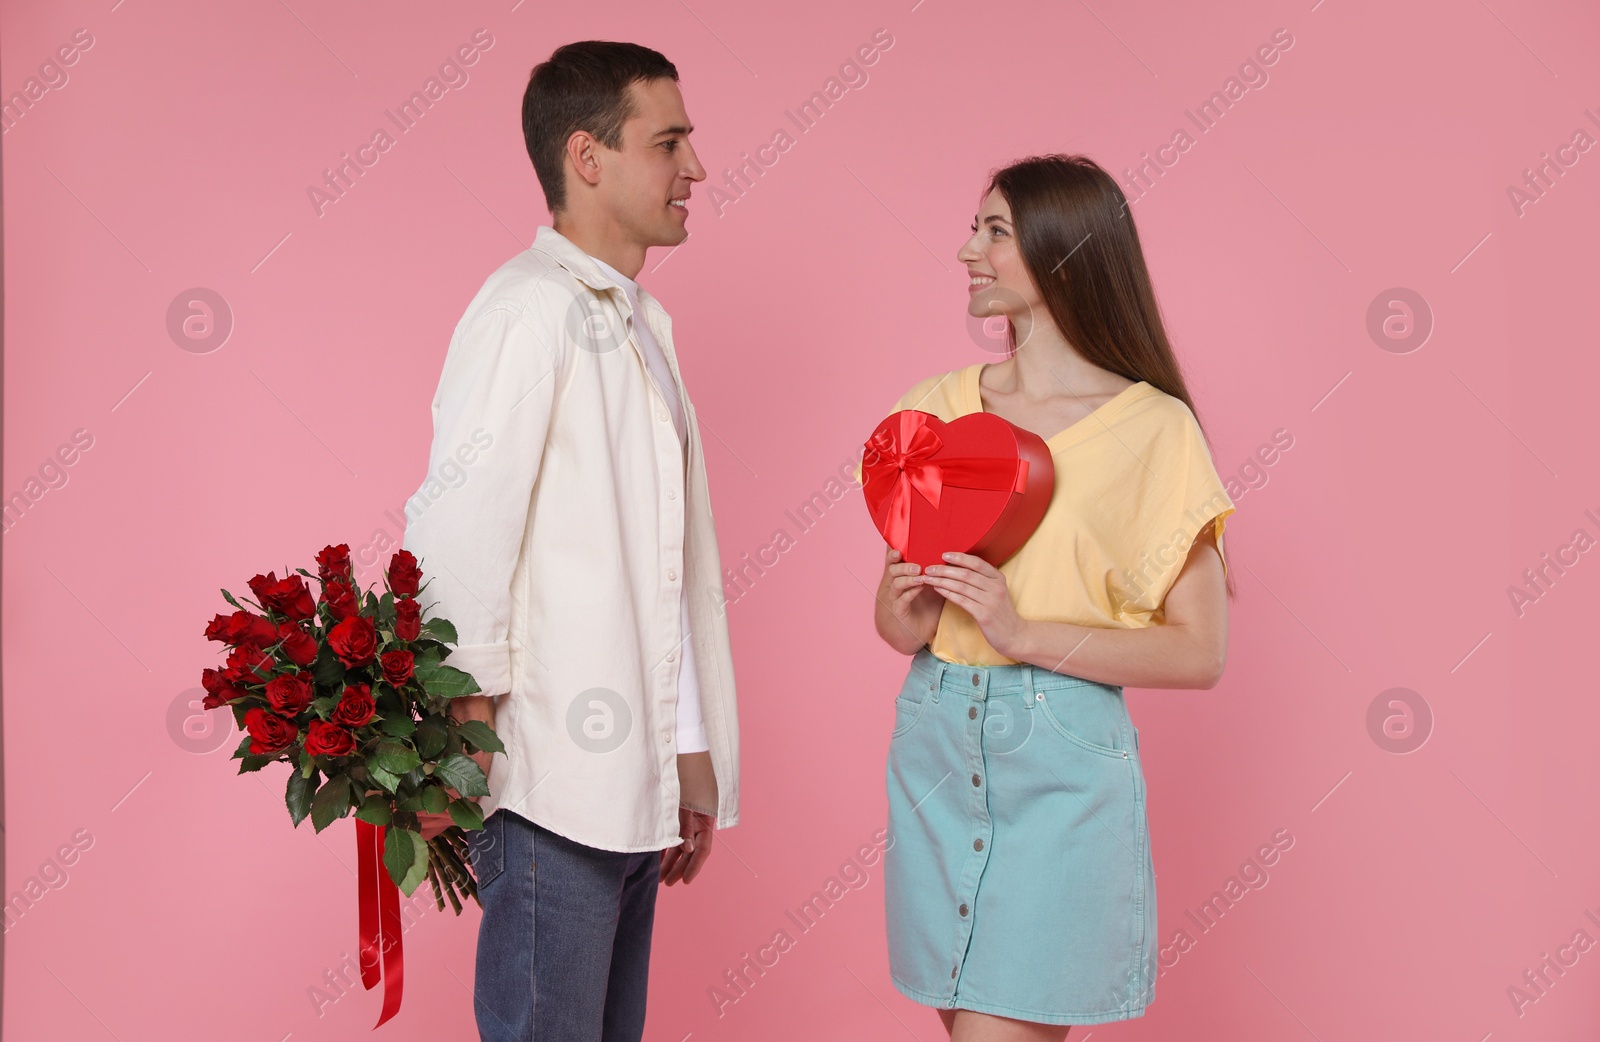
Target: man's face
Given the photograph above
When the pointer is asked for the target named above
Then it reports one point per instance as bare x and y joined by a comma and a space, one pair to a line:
655, 166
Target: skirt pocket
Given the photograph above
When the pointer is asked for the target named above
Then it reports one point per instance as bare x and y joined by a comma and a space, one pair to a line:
915, 692
1091, 716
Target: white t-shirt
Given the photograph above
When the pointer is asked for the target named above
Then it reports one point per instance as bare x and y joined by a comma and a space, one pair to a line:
691, 735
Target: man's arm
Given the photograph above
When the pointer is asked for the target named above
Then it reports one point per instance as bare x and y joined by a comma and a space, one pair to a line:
466, 524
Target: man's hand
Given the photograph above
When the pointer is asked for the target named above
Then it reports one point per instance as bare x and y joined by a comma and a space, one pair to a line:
433, 824
683, 861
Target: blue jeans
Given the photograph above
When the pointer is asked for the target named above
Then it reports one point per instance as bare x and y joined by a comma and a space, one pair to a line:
564, 943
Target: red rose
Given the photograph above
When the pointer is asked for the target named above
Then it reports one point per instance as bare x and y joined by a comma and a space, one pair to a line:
354, 640
300, 646
334, 561
240, 627
219, 691
404, 575
287, 595
356, 708
269, 732
290, 693
341, 598
397, 666
243, 663
407, 619
325, 739
261, 583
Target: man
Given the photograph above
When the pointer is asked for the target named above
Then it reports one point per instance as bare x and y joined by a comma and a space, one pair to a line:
578, 560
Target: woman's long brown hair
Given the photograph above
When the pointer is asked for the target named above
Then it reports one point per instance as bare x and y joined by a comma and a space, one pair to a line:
1082, 251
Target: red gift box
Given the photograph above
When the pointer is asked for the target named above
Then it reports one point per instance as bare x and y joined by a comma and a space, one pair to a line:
978, 485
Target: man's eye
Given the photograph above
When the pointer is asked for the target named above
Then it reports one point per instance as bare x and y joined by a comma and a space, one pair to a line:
669, 145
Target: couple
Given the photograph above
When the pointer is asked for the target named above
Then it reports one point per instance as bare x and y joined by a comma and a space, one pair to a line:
579, 562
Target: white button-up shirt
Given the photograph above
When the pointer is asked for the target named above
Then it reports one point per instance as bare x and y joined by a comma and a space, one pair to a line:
559, 529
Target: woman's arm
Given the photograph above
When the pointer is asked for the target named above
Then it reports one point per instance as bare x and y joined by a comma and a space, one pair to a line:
1188, 651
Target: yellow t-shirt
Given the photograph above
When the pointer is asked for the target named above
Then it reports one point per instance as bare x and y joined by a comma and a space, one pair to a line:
1134, 485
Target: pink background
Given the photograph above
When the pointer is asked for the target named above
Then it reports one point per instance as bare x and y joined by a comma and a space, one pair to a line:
1377, 552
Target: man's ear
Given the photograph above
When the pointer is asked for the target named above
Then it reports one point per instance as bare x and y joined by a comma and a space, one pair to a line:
583, 157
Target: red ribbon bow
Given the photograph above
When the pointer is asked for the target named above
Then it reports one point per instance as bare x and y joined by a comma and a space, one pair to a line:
907, 462
380, 920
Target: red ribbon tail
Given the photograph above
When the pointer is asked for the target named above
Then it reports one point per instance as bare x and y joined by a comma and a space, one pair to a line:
367, 870
379, 920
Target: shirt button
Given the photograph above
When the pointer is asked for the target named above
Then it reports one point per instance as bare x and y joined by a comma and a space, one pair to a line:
977, 844
671, 574
972, 712
666, 736
672, 495
976, 780
661, 416
672, 656
953, 971
975, 680
963, 909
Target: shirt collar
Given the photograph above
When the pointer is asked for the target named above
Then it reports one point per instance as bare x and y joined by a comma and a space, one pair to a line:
567, 253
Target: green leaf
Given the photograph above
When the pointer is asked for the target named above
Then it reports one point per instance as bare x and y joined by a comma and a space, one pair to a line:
419, 865
442, 681
387, 779
467, 814
371, 607
411, 804
394, 756
398, 852
434, 799
481, 735
327, 669
229, 598
298, 797
386, 610
463, 774
243, 748
443, 629
331, 802
400, 724
431, 736
374, 810
255, 763
325, 705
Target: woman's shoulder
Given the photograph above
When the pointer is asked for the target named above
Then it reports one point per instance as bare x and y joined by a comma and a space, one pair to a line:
940, 393
1161, 409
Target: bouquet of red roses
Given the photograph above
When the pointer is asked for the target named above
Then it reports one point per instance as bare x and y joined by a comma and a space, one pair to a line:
352, 692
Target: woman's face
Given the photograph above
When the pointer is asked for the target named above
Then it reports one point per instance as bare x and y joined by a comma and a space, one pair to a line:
999, 281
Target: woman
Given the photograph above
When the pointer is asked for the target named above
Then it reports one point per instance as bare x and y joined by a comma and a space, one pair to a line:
1020, 891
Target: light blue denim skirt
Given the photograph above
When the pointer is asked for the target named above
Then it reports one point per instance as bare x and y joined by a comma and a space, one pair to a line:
1018, 879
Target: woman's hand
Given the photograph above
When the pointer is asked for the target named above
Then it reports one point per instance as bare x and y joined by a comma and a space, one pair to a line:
975, 585
908, 612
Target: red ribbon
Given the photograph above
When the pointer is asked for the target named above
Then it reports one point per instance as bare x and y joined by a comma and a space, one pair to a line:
380, 919
908, 462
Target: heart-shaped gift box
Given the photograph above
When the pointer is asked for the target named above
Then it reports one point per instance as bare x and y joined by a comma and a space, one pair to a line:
978, 485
